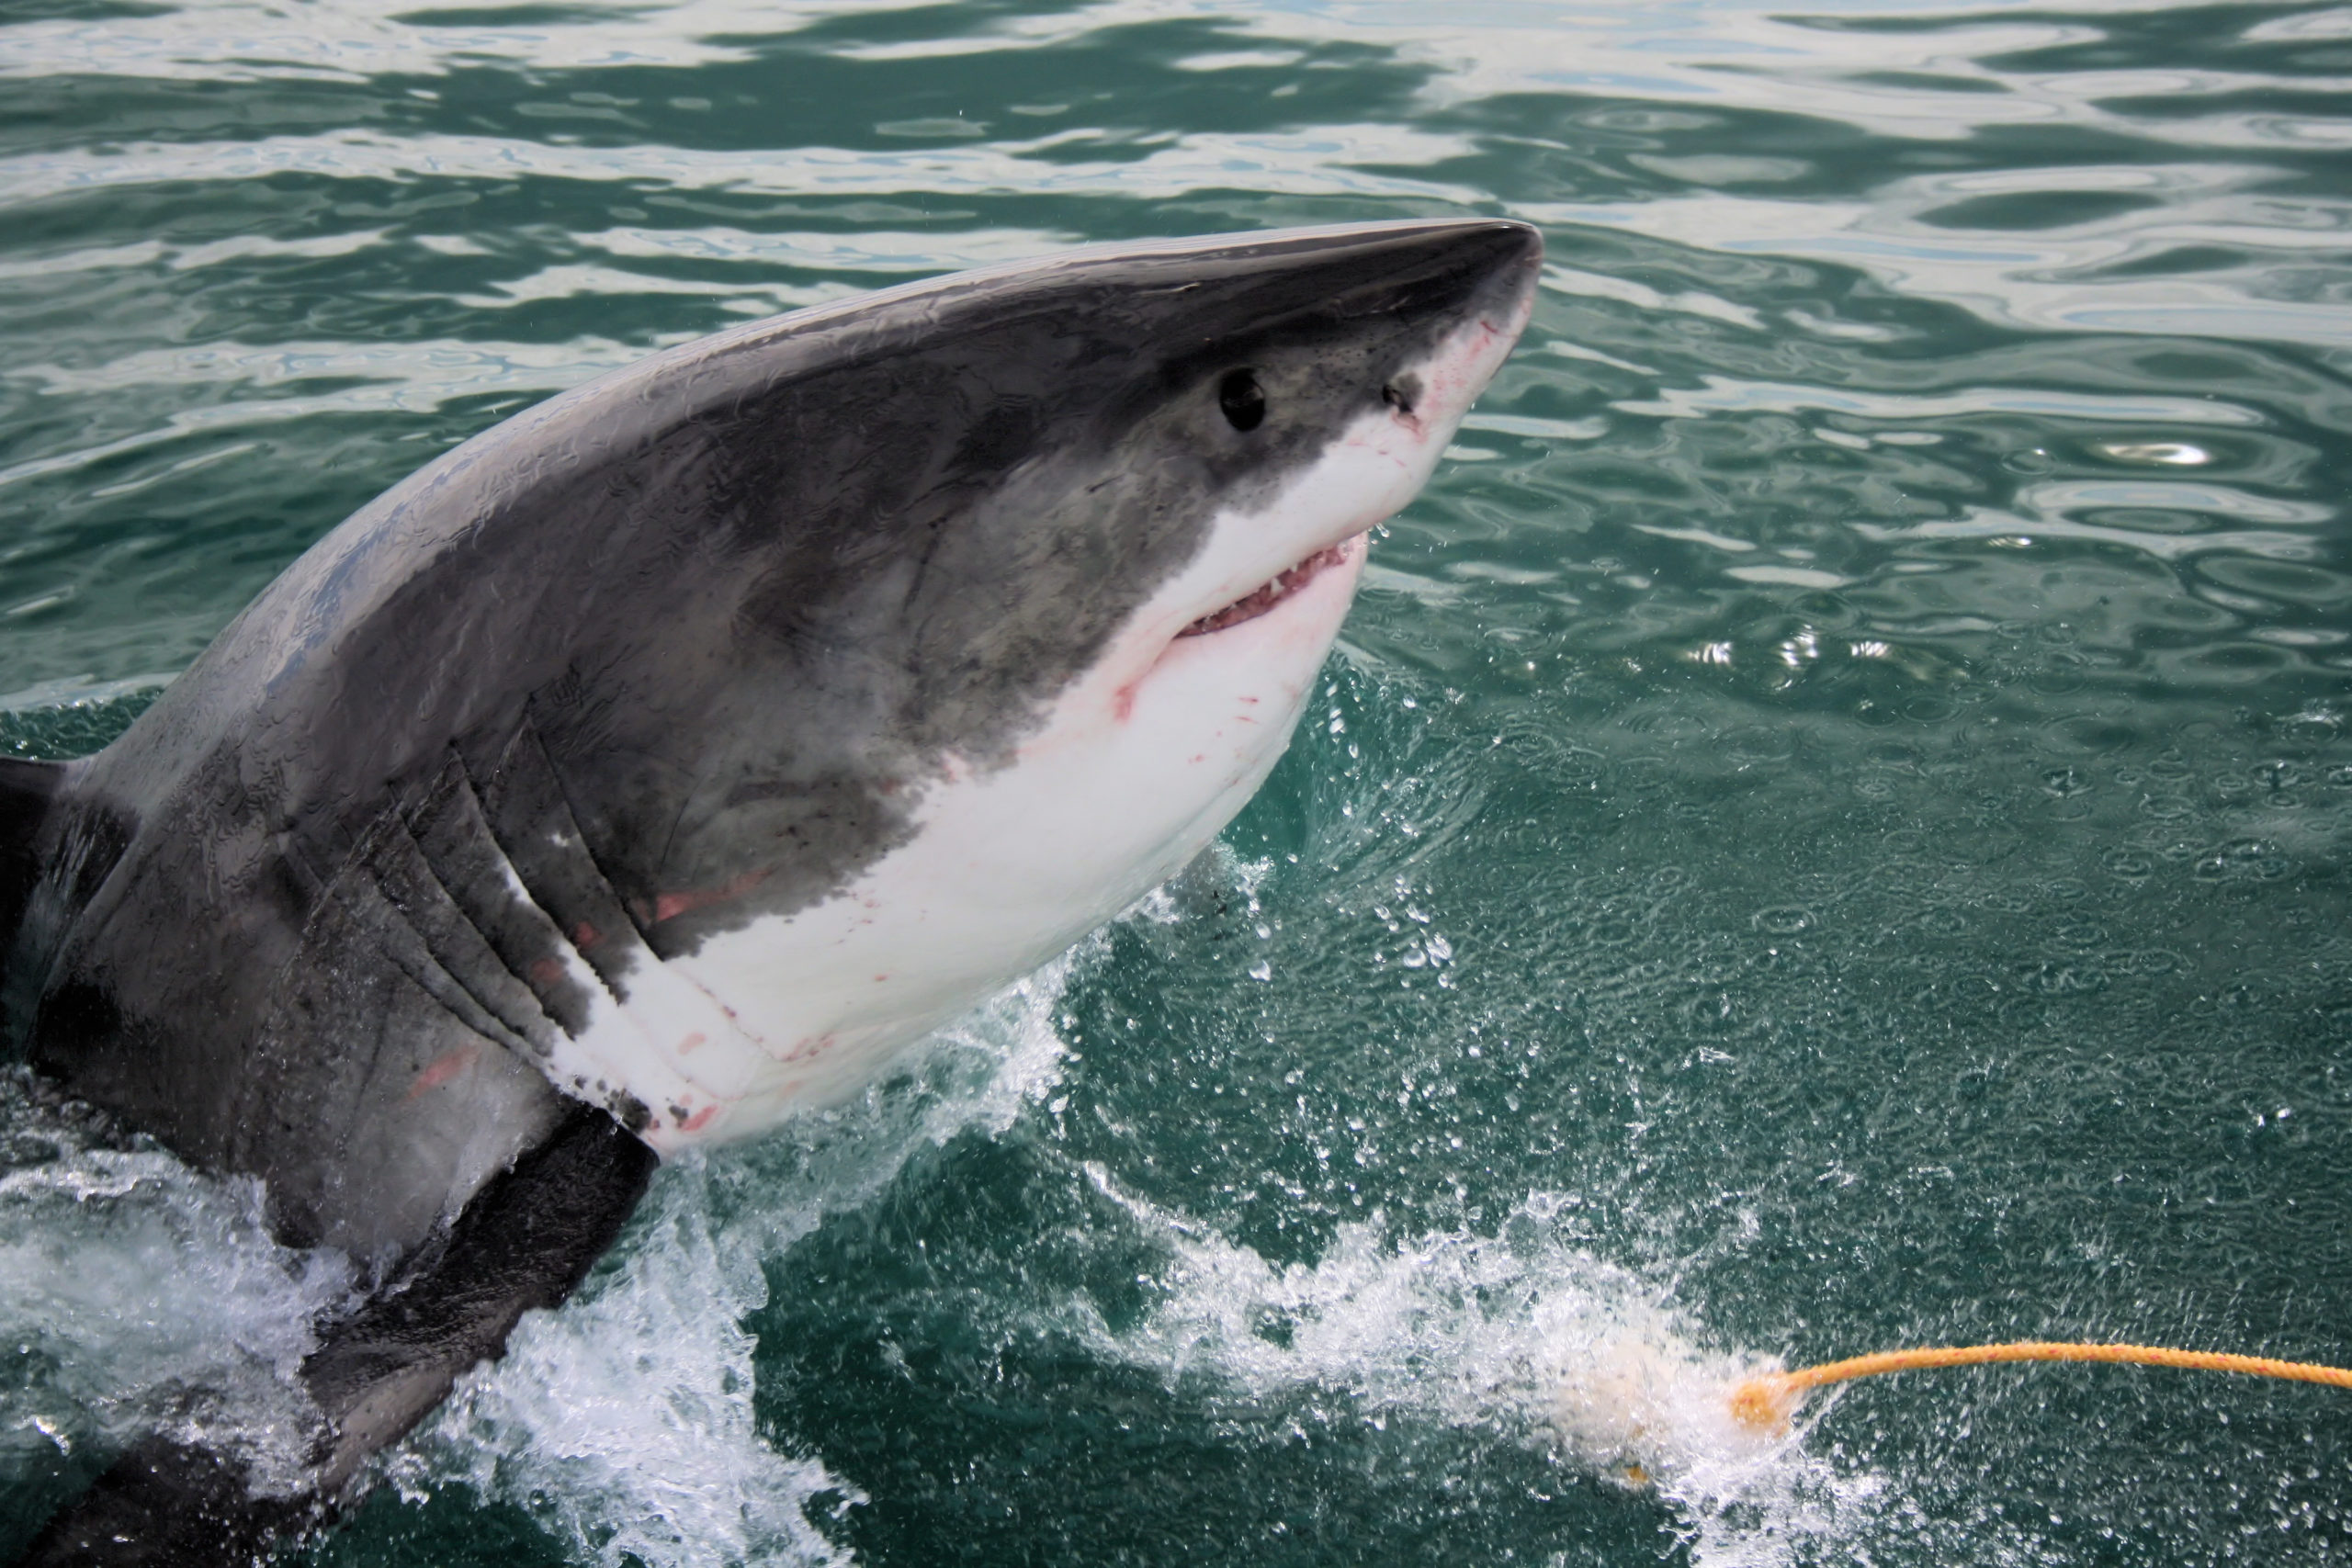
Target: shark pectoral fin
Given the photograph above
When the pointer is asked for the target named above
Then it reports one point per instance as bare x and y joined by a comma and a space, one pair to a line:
528, 1239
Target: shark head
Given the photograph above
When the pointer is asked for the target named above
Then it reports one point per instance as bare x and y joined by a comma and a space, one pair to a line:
1120, 541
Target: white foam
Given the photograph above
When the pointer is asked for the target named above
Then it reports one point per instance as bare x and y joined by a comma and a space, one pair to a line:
1521, 1334
136, 1296
623, 1424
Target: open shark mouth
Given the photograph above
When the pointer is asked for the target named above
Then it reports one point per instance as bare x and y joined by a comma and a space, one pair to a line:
1258, 601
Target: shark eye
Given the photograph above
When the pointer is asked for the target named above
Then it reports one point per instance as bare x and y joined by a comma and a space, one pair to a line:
1243, 401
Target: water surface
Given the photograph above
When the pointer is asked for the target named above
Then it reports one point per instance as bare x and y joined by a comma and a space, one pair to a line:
1828, 828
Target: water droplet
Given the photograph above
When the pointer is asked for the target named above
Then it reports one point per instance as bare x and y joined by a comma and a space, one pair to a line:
2128, 864
2081, 937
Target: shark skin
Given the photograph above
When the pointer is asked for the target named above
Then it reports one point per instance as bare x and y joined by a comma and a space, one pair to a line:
668, 759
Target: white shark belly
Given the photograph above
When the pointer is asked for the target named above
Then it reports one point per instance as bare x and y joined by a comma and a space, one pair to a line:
807, 1009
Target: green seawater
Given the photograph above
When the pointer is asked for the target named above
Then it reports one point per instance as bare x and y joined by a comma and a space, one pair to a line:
1828, 828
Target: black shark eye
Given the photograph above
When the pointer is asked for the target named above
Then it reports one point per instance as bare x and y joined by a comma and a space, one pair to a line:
1243, 401
1402, 393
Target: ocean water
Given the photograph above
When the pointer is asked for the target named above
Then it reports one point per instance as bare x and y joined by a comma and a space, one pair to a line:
1828, 828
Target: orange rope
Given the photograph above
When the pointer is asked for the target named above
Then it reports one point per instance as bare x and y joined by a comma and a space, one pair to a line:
1766, 1402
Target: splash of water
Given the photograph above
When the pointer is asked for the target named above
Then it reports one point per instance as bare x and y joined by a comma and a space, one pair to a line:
624, 1424
136, 1296
1520, 1334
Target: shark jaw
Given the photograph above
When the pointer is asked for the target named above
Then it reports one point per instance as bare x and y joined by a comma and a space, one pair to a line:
1286, 585
1135, 768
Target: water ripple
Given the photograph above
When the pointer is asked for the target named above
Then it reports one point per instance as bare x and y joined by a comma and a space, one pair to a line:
1839, 787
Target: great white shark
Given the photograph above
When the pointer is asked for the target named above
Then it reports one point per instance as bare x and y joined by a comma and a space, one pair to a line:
668, 758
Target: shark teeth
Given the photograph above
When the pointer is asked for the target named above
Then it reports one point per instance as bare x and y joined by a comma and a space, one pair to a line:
1256, 603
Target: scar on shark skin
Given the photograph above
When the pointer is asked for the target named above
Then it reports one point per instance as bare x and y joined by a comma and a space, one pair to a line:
441, 1070
669, 906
